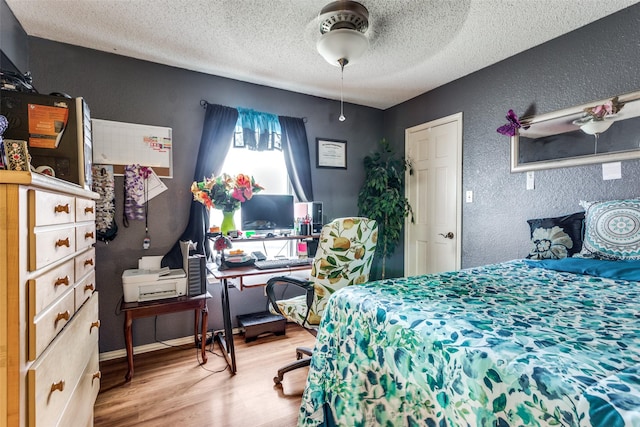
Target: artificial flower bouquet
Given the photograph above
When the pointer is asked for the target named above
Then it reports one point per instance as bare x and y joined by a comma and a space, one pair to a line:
225, 192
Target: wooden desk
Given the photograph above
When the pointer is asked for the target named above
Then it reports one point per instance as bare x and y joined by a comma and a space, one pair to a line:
134, 310
225, 339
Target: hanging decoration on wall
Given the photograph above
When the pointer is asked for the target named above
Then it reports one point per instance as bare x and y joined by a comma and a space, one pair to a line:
103, 184
512, 126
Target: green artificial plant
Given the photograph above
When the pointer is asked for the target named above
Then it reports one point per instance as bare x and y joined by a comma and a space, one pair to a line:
382, 198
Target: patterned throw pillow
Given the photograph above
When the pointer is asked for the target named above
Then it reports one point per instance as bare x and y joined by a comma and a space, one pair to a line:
556, 238
612, 229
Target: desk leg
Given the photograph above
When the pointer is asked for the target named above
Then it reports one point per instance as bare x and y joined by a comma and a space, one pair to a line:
226, 340
128, 339
196, 318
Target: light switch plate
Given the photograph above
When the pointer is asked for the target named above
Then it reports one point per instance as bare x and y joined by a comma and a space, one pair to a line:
469, 196
531, 183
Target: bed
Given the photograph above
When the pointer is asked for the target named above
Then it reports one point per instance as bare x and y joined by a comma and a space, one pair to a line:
519, 343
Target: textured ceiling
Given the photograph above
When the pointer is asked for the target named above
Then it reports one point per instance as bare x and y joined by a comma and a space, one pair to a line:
415, 45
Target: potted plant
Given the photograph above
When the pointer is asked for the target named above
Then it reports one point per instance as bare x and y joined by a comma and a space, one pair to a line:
382, 198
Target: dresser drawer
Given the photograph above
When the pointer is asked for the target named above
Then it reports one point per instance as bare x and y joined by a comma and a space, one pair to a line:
52, 379
85, 235
48, 323
85, 262
79, 411
50, 244
84, 289
45, 289
50, 208
85, 210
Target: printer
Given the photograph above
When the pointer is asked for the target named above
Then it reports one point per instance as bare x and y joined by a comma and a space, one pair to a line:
150, 282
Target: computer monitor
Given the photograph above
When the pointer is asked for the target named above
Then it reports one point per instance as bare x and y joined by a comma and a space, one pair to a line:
268, 213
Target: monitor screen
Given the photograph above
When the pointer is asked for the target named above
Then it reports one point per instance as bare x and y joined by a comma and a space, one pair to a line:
268, 212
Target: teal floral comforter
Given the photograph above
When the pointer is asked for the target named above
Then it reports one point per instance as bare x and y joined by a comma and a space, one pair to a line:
501, 345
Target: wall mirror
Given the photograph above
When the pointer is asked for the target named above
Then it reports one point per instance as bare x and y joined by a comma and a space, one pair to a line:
566, 138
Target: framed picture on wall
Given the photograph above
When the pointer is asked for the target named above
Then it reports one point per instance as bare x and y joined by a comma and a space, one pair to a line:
331, 153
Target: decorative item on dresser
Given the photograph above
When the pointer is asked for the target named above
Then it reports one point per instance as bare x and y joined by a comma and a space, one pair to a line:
49, 373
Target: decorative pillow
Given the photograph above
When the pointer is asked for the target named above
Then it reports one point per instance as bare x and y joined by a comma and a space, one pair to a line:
612, 229
556, 238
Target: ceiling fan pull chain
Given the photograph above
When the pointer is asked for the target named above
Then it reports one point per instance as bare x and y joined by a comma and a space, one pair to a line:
343, 62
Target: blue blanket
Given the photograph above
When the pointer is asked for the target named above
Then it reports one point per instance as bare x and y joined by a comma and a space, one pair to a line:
621, 270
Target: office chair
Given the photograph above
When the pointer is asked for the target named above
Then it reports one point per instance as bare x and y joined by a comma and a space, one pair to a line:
345, 252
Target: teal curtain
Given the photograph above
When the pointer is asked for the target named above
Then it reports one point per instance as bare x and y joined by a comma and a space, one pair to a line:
257, 131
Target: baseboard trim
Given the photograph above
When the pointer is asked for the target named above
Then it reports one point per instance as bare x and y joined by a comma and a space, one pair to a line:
154, 346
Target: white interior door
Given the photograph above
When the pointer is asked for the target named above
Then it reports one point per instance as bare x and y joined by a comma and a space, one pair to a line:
432, 242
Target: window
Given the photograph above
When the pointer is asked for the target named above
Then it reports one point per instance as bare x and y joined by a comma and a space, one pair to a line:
269, 170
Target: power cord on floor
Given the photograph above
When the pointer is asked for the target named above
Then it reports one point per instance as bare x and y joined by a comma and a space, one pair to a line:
211, 346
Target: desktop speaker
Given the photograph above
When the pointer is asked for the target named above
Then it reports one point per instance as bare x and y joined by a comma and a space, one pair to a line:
197, 275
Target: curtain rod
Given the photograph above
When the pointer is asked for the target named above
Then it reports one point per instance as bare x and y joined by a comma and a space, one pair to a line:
204, 104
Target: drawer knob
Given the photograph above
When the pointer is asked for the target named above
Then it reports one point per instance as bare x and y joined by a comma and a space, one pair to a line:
62, 316
88, 235
88, 287
57, 386
88, 261
62, 242
88, 209
61, 208
95, 324
62, 281
96, 375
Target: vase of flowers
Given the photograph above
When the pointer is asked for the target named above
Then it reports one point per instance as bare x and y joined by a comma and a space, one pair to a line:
228, 224
225, 192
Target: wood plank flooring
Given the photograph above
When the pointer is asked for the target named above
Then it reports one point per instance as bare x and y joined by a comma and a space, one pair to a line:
170, 387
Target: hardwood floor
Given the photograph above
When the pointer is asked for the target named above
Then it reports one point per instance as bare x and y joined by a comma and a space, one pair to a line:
170, 387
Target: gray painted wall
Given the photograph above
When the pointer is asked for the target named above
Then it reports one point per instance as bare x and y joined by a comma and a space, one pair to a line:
595, 62
592, 63
13, 40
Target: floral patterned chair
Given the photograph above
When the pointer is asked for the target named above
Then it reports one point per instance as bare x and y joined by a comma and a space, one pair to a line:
345, 252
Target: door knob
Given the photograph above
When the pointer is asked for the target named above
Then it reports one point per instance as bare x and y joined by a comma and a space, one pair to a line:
449, 235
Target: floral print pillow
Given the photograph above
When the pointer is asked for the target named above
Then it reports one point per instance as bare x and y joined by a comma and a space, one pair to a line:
556, 238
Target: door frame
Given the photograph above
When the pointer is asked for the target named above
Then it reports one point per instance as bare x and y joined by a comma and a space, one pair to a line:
457, 117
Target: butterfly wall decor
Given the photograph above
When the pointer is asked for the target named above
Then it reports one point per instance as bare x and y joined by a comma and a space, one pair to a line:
512, 126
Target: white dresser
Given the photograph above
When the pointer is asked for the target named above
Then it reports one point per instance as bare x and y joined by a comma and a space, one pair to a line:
49, 373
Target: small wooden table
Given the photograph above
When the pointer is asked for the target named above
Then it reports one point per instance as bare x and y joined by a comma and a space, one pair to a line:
134, 310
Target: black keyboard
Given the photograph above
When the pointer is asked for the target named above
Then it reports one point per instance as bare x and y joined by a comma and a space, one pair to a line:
282, 263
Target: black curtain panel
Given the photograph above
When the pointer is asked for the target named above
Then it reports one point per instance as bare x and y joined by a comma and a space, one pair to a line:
296, 156
219, 125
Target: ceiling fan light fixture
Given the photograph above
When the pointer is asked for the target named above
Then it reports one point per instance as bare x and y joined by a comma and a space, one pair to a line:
342, 44
342, 25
